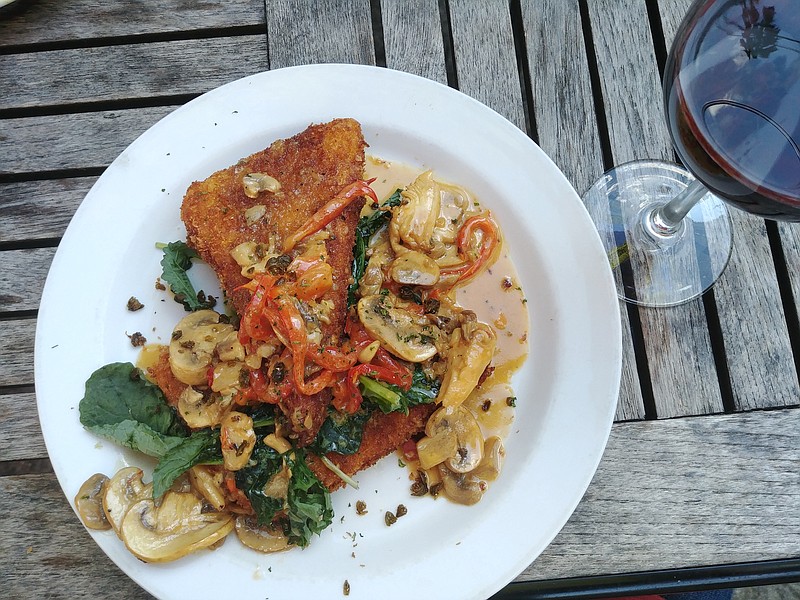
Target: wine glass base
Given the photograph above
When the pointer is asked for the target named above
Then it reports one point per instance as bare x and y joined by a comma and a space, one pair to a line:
664, 271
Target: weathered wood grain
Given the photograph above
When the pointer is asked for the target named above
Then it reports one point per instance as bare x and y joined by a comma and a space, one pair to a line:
567, 131
790, 242
679, 355
20, 435
486, 63
681, 492
16, 351
47, 21
129, 71
22, 275
746, 508
42, 209
47, 552
758, 351
329, 31
412, 37
26, 144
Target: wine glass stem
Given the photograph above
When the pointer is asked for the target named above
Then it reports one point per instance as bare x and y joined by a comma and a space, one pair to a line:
665, 220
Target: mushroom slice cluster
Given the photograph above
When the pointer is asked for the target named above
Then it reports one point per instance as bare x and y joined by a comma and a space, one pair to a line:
464, 461
175, 528
194, 340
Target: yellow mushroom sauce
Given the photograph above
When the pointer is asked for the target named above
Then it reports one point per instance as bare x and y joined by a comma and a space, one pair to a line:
497, 298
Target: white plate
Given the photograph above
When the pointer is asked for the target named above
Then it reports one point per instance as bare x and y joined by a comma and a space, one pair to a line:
567, 390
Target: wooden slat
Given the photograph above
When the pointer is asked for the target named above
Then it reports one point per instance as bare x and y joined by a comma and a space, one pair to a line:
790, 241
47, 21
26, 144
567, 131
20, 436
486, 63
327, 31
22, 275
758, 352
129, 71
46, 551
412, 37
36, 210
726, 489
16, 351
677, 341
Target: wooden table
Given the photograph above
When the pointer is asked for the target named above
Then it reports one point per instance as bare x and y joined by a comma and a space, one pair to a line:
700, 483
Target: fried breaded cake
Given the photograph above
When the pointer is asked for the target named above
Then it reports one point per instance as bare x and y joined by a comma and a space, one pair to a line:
312, 168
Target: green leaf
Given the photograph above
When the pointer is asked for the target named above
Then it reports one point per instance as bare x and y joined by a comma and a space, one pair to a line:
341, 432
175, 263
310, 511
391, 398
264, 463
137, 436
200, 448
366, 228
117, 392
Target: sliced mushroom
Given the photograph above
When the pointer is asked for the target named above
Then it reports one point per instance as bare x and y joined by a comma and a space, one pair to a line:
462, 488
414, 268
471, 350
413, 221
260, 538
194, 340
122, 491
89, 503
400, 331
197, 409
229, 348
493, 455
454, 437
207, 481
237, 440
176, 528
255, 183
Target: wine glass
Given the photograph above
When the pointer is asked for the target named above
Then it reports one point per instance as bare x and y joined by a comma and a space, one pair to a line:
732, 103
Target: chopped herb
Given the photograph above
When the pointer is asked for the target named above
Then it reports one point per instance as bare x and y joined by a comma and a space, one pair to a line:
361, 507
389, 518
401, 510
511, 401
487, 404
346, 588
420, 485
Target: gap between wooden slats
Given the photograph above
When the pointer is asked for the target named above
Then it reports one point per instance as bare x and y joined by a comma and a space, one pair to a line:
56, 21
679, 352
114, 73
758, 352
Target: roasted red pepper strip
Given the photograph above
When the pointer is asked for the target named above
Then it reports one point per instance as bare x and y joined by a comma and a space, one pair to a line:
491, 238
331, 358
330, 211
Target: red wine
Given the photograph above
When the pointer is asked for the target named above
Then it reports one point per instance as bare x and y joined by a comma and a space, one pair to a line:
732, 99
